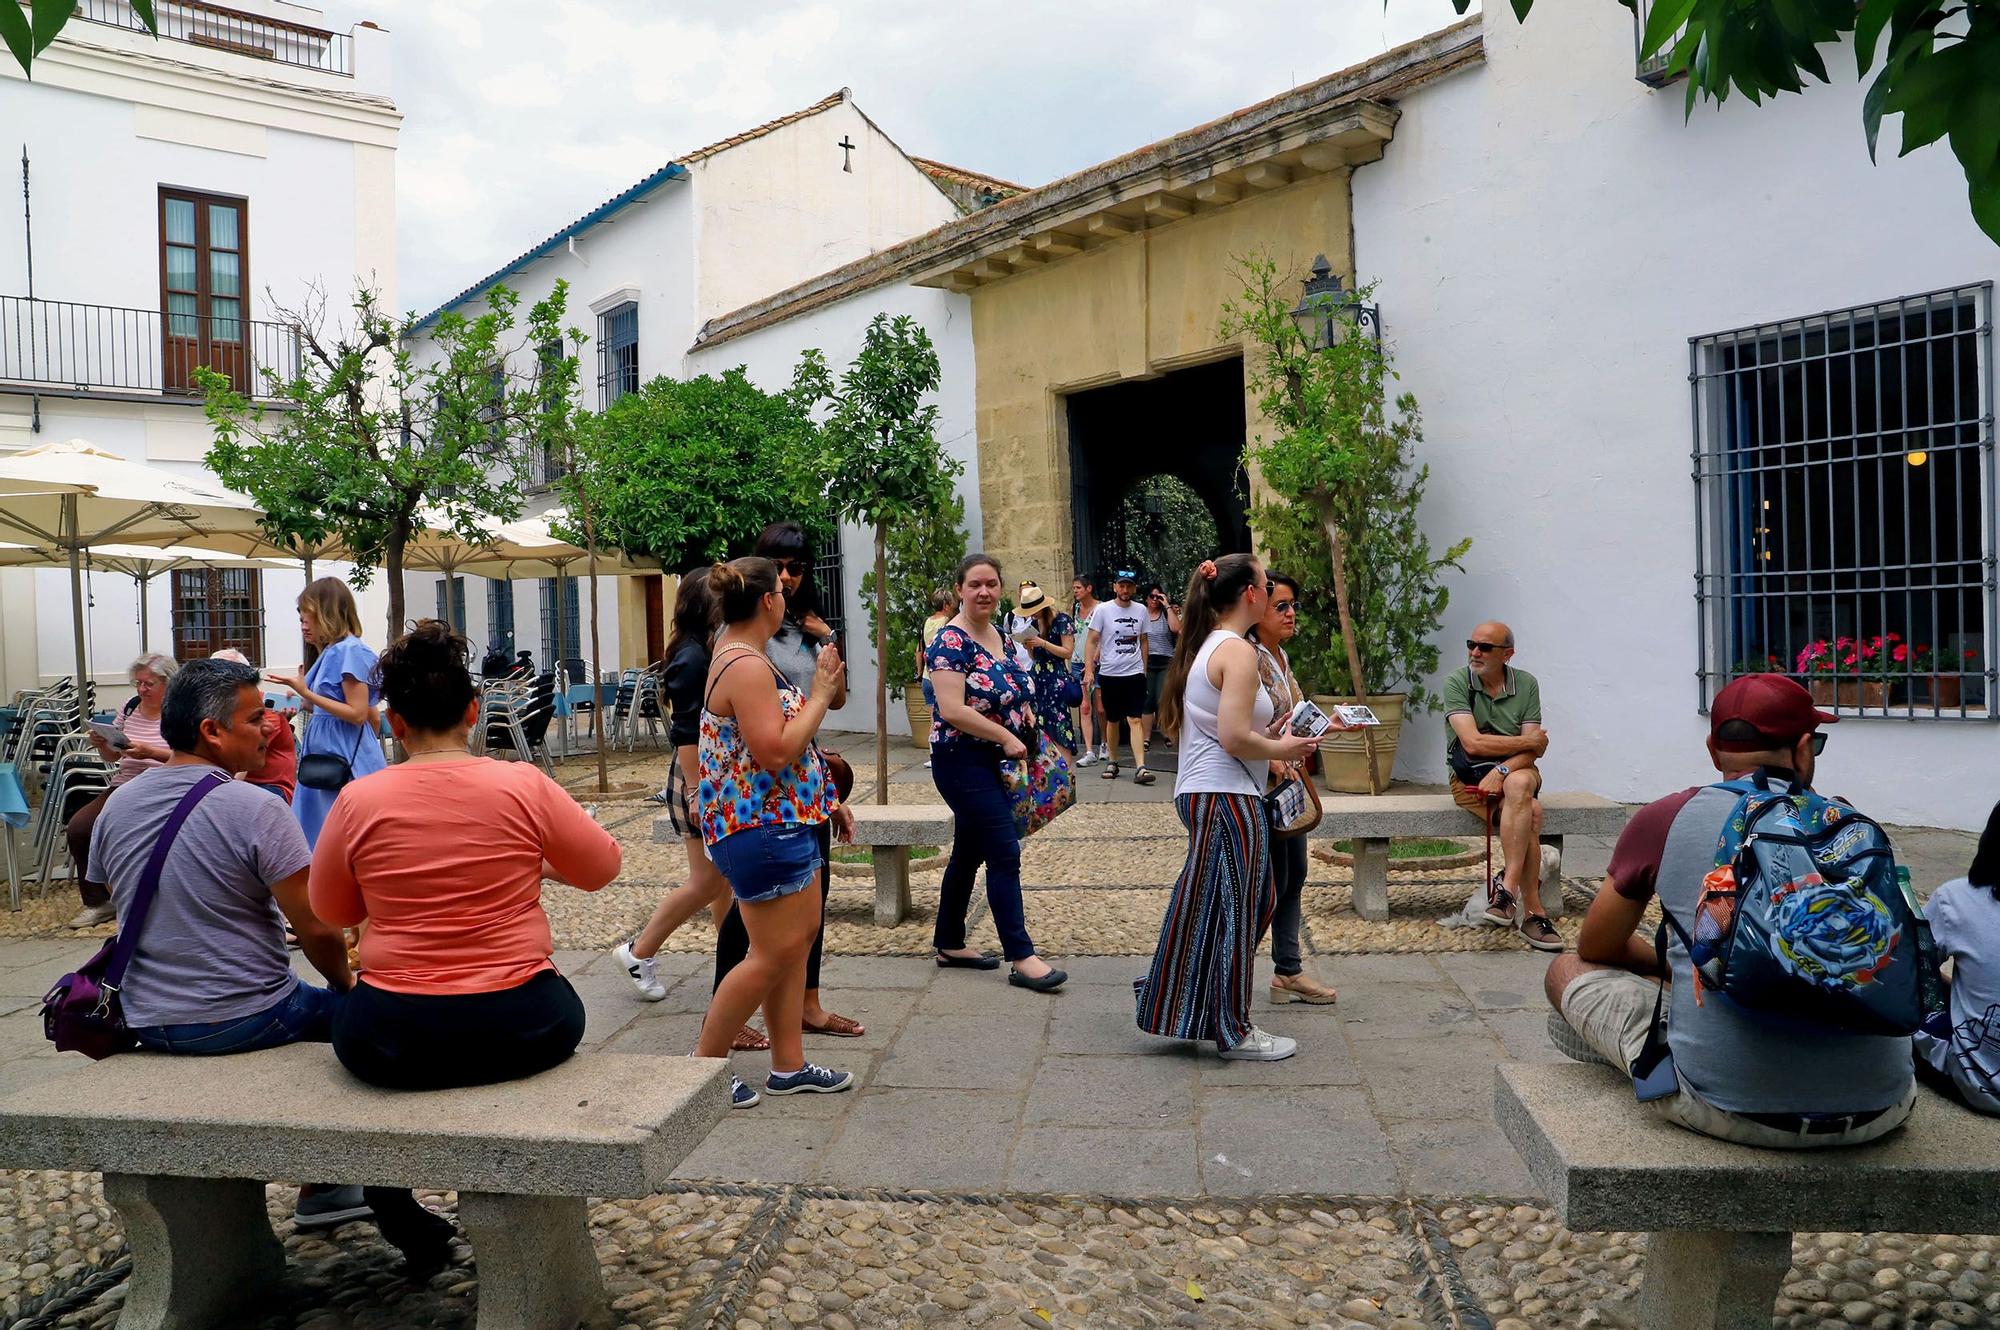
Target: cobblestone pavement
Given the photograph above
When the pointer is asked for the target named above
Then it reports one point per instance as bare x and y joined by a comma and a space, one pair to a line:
1011, 1158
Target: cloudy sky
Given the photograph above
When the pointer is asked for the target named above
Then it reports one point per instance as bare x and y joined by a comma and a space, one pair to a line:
519, 115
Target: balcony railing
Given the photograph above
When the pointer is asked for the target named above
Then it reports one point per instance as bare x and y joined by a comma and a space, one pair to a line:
57, 346
1650, 70
223, 29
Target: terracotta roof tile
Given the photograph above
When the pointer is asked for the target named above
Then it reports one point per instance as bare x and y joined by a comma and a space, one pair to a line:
958, 175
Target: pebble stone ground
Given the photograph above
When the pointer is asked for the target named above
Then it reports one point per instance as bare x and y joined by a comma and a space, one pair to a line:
1361, 1185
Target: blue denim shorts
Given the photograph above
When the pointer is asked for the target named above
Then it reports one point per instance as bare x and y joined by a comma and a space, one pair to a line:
764, 863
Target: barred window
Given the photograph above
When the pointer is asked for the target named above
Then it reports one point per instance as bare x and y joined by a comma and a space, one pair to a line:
500, 616
571, 644
454, 613
1846, 505
215, 608
617, 353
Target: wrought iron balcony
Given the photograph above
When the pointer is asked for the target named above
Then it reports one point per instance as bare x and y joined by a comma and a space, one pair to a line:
1650, 70
258, 36
64, 349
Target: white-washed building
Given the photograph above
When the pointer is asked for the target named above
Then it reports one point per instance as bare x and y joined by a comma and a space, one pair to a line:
181, 190
712, 232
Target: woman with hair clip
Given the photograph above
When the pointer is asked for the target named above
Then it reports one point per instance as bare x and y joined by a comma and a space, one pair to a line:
1214, 702
763, 797
1958, 1052
794, 651
338, 695
456, 984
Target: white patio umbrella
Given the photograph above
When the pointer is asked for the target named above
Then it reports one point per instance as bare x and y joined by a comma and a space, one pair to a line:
80, 496
141, 563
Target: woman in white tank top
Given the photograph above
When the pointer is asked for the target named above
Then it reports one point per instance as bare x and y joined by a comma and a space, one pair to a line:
1228, 732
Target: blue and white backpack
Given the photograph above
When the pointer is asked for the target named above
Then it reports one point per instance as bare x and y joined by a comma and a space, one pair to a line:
1803, 915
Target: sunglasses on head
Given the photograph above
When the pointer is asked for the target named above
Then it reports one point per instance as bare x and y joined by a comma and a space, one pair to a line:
1474, 644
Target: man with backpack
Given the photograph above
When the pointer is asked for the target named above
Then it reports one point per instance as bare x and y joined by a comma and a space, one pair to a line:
1793, 958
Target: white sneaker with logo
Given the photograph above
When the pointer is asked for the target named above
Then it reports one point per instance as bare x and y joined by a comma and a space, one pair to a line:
643, 971
1262, 1046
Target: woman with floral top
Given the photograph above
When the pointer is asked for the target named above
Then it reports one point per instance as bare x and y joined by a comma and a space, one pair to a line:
1049, 636
763, 796
985, 712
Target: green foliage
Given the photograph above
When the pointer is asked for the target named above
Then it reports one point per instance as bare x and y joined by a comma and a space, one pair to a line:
689, 471
924, 551
1163, 529
369, 436
880, 435
1337, 454
1940, 66
28, 34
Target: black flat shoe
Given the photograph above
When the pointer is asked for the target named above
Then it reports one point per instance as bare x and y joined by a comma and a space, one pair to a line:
1048, 983
985, 960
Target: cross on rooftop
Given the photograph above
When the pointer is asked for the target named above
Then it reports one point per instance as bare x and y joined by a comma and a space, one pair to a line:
846, 154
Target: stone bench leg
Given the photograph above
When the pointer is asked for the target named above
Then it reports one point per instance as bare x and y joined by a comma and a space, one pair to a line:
537, 1267
201, 1248
1371, 878
892, 884
1552, 893
1712, 1281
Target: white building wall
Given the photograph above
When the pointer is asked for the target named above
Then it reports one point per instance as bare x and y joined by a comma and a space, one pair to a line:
779, 209
1547, 235
768, 356
111, 117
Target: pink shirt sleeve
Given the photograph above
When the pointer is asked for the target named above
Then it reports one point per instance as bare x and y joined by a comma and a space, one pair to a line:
331, 889
583, 852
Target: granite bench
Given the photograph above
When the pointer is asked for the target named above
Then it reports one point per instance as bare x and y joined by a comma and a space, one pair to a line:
1721, 1216
1371, 821
887, 829
186, 1144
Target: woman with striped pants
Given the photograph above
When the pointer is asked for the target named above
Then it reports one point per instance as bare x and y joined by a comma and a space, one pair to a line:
1228, 734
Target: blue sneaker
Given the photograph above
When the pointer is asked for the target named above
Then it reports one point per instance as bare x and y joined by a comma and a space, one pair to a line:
809, 1079
741, 1095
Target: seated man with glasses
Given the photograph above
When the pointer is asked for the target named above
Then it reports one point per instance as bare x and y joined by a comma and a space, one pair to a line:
1752, 1075
1495, 715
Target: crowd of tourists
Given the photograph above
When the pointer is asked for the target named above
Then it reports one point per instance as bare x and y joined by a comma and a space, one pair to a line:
218, 843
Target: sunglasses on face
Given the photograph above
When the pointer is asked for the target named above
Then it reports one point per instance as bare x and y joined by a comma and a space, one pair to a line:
796, 567
1474, 644
1285, 606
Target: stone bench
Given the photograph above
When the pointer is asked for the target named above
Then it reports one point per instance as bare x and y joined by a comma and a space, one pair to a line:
1371, 821
1721, 1216
890, 830
186, 1145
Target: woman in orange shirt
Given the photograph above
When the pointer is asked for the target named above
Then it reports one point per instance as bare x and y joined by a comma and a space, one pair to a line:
444, 856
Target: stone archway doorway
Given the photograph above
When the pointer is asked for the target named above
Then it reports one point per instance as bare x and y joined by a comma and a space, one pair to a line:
1187, 424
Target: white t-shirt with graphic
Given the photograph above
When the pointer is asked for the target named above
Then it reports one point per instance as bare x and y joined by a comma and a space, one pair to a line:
1120, 630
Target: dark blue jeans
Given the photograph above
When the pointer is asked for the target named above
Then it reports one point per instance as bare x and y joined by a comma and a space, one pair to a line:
304, 1016
983, 833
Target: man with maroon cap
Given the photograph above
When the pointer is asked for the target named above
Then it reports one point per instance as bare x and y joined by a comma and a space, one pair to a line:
1754, 1076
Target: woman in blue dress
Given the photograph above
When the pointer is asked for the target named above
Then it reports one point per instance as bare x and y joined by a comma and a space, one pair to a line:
1050, 638
337, 692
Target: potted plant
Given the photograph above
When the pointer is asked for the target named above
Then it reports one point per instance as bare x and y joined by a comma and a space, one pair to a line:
1858, 672
1943, 673
922, 557
1337, 454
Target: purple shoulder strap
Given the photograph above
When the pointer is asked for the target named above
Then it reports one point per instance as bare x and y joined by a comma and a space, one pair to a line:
127, 941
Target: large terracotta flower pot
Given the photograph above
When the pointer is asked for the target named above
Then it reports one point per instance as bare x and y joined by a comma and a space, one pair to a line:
1854, 693
1343, 757
1947, 691
920, 715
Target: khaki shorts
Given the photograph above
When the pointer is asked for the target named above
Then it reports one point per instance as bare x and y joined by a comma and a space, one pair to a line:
1472, 801
1613, 1010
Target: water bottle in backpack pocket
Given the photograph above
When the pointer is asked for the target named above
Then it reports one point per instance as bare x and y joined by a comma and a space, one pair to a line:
1803, 915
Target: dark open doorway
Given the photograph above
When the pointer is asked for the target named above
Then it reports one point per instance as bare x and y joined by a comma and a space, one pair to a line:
1187, 424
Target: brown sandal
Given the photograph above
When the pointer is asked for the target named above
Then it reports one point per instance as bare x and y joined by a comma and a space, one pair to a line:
835, 1025
750, 1039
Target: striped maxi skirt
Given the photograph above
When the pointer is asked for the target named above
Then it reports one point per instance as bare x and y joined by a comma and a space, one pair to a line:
1199, 984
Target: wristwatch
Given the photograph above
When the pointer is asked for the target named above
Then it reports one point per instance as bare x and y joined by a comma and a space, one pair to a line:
1502, 769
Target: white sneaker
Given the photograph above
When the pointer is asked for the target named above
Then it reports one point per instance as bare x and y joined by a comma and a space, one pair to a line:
1087, 758
643, 971
93, 915
1104, 752
1261, 1046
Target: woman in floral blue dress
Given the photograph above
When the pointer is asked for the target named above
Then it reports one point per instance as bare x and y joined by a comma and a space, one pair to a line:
1050, 638
985, 712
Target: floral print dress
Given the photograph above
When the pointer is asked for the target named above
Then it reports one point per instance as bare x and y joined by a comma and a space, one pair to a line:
996, 688
1050, 675
736, 794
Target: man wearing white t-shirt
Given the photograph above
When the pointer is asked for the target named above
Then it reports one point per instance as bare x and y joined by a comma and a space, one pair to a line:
1116, 662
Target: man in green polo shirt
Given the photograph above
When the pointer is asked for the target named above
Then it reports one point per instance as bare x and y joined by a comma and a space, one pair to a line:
1495, 715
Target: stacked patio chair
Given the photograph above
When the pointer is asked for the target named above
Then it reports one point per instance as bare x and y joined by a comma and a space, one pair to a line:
75, 776
576, 685
514, 716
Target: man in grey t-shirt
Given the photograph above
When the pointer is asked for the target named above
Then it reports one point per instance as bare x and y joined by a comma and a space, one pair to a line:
1758, 1077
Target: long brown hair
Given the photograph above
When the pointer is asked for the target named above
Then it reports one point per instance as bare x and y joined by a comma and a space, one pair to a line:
1207, 599
331, 606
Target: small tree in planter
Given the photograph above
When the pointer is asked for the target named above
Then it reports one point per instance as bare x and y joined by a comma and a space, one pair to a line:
883, 455
1340, 463
923, 555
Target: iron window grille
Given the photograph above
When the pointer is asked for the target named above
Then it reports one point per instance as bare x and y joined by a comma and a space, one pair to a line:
829, 582
1651, 70
213, 608
617, 353
551, 466
500, 616
1845, 535
457, 616
571, 646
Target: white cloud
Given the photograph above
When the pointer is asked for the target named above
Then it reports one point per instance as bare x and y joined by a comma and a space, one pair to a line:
519, 115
